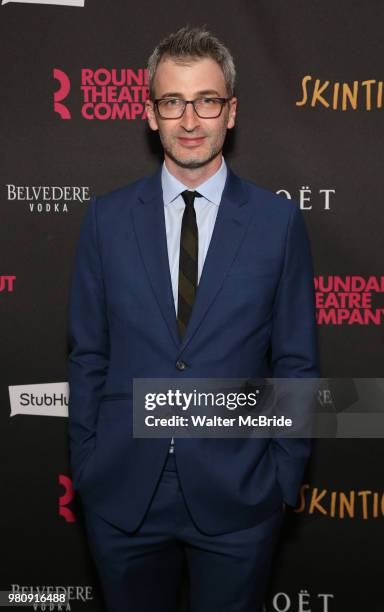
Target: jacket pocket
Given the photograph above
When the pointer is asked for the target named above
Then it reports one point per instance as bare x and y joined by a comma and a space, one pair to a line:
115, 396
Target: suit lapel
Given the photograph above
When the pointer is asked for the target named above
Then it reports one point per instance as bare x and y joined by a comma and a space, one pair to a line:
231, 223
149, 223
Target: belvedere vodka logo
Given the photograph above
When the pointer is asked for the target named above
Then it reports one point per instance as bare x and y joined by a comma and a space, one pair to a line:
48, 198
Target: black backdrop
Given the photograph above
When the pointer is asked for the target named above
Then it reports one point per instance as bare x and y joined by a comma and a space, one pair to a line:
326, 157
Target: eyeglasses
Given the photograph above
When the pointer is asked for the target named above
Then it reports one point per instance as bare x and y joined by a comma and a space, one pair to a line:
205, 108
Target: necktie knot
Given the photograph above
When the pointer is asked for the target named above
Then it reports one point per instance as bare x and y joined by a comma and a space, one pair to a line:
189, 197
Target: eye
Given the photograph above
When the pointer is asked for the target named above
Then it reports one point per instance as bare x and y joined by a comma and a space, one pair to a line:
171, 102
209, 101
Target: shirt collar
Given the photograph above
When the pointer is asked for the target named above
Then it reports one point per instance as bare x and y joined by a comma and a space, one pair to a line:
211, 189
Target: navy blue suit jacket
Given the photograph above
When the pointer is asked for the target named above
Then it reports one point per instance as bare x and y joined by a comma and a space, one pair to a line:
253, 316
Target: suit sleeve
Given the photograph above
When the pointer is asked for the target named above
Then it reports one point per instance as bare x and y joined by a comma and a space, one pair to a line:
89, 343
294, 350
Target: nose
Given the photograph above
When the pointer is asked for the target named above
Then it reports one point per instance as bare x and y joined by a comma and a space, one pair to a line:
189, 120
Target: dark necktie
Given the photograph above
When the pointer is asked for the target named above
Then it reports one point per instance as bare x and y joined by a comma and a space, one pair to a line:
189, 249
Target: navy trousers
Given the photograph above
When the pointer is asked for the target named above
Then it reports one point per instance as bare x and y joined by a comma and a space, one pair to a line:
142, 571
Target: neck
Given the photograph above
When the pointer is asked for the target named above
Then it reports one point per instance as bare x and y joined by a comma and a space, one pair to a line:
192, 177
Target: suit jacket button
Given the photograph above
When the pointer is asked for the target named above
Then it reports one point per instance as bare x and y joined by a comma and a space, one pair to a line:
180, 365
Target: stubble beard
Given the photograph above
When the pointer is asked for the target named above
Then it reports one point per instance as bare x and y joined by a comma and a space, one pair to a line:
196, 162
193, 163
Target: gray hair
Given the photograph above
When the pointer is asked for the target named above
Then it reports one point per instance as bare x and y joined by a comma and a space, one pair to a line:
192, 43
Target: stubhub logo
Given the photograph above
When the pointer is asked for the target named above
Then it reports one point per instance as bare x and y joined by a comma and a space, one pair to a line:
47, 399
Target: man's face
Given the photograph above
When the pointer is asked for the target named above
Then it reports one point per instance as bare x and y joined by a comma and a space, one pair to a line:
191, 142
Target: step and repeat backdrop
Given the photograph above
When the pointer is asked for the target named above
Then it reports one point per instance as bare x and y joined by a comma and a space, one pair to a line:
310, 127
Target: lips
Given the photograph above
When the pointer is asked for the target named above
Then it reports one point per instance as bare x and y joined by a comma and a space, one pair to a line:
190, 142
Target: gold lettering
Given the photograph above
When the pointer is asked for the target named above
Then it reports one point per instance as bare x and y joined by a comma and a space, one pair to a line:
346, 504
317, 93
304, 86
368, 92
333, 503
375, 510
315, 501
351, 95
379, 101
335, 95
301, 507
364, 495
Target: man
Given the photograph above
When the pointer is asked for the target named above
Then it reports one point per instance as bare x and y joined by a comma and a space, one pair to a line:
190, 273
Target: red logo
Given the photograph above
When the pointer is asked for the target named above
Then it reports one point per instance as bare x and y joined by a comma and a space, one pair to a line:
6, 283
349, 300
61, 93
66, 499
105, 93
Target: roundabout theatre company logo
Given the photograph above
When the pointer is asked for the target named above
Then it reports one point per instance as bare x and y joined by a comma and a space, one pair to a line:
119, 93
349, 300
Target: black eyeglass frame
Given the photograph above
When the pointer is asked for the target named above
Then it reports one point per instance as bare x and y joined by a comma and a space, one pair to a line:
222, 100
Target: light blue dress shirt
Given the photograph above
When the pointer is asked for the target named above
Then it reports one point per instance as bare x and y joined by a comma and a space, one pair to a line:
206, 212
206, 209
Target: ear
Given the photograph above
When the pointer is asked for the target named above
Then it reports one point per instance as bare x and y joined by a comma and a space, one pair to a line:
151, 115
232, 113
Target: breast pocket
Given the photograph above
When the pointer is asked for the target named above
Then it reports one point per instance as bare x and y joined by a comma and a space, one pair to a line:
249, 295
250, 283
